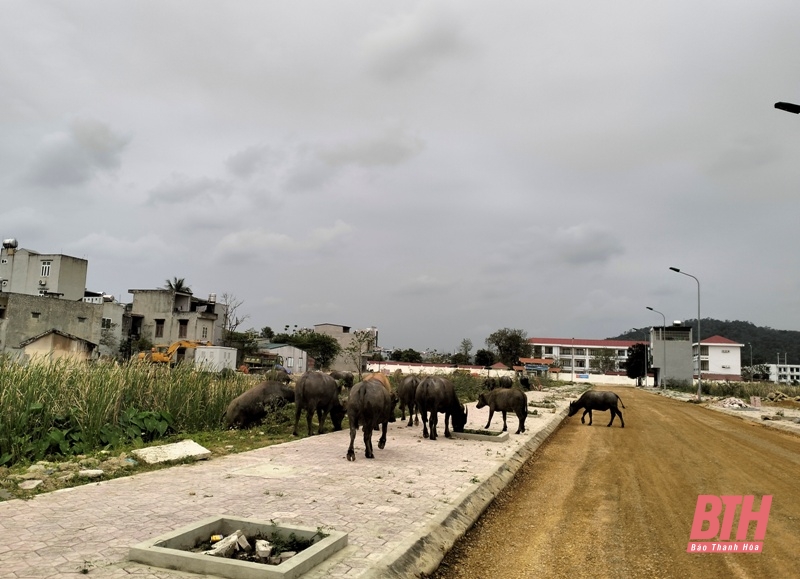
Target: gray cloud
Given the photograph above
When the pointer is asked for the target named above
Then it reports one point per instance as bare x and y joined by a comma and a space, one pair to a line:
415, 42
75, 156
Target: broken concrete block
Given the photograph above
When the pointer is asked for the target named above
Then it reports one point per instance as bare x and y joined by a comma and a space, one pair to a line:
263, 548
170, 452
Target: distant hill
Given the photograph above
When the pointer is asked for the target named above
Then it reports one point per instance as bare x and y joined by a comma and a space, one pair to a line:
766, 341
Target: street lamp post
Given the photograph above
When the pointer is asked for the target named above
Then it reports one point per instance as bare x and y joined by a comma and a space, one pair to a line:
751, 361
664, 343
699, 350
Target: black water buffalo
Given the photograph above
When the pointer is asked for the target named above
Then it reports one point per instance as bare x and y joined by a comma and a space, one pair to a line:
525, 382
597, 400
344, 378
369, 406
435, 395
251, 407
406, 395
504, 382
318, 392
505, 400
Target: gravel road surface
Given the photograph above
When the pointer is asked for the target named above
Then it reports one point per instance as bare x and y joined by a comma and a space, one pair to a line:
614, 502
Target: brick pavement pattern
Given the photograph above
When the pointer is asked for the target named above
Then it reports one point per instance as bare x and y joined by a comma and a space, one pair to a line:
403, 510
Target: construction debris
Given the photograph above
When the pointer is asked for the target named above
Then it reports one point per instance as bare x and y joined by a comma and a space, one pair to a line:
732, 403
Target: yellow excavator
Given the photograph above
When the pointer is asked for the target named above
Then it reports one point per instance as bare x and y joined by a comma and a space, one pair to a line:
163, 353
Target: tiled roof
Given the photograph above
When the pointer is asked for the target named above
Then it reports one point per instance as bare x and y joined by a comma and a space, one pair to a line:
720, 340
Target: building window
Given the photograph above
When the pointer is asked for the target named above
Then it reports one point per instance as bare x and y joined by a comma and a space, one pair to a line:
81, 320
566, 351
159, 328
580, 351
183, 328
704, 365
548, 349
621, 353
289, 362
46, 268
205, 332
2, 313
580, 364
35, 315
106, 323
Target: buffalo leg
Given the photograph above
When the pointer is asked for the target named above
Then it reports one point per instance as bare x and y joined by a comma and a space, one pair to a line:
583, 416
589, 412
505, 426
447, 425
368, 440
351, 453
321, 416
424, 413
521, 416
491, 413
432, 422
614, 413
382, 439
297, 413
309, 418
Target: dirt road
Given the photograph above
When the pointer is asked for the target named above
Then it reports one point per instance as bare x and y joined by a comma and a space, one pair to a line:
614, 502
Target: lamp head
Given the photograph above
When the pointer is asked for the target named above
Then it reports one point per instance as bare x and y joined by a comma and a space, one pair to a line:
649, 308
675, 269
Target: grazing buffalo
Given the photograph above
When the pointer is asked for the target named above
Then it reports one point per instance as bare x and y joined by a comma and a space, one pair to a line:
525, 382
344, 378
505, 382
251, 407
383, 379
278, 375
368, 406
435, 395
317, 392
406, 395
505, 400
490, 383
597, 400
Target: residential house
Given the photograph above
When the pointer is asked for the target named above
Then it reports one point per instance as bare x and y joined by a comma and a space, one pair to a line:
344, 336
164, 316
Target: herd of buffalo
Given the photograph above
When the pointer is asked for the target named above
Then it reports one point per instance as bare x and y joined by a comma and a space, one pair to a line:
370, 404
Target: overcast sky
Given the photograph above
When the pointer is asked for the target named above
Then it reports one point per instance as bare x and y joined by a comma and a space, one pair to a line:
437, 169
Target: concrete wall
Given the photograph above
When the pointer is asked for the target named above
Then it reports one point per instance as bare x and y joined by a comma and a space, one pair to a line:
55, 346
28, 316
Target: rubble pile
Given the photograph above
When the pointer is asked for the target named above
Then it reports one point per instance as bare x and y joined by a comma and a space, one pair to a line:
237, 546
732, 403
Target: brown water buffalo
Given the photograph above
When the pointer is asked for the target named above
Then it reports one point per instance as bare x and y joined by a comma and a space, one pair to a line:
406, 396
252, 406
505, 400
597, 400
436, 394
384, 379
368, 406
317, 392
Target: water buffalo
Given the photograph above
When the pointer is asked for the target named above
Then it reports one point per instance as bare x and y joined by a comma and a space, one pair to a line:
406, 395
344, 378
318, 392
383, 379
504, 382
369, 406
597, 400
436, 394
505, 400
251, 407
525, 382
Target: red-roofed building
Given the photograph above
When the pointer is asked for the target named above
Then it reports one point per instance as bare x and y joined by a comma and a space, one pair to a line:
720, 358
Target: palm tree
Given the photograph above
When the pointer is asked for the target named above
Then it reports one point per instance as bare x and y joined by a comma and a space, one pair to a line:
178, 284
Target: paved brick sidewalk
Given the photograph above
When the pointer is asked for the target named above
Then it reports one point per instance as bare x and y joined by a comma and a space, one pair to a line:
402, 510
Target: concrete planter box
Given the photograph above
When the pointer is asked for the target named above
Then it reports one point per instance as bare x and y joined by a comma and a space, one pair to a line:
488, 437
170, 550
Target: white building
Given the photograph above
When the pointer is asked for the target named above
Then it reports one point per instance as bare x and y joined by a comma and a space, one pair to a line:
720, 358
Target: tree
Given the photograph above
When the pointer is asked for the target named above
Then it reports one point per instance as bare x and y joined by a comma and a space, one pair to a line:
361, 342
484, 358
464, 350
605, 360
178, 284
245, 342
635, 366
321, 347
231, 318
267, 333
510, 345
460, 359
408, 355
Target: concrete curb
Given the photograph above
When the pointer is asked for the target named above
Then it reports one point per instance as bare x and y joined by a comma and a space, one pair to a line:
421, 555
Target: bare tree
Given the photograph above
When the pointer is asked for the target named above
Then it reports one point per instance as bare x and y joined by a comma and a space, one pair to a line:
232, 320
361, 342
